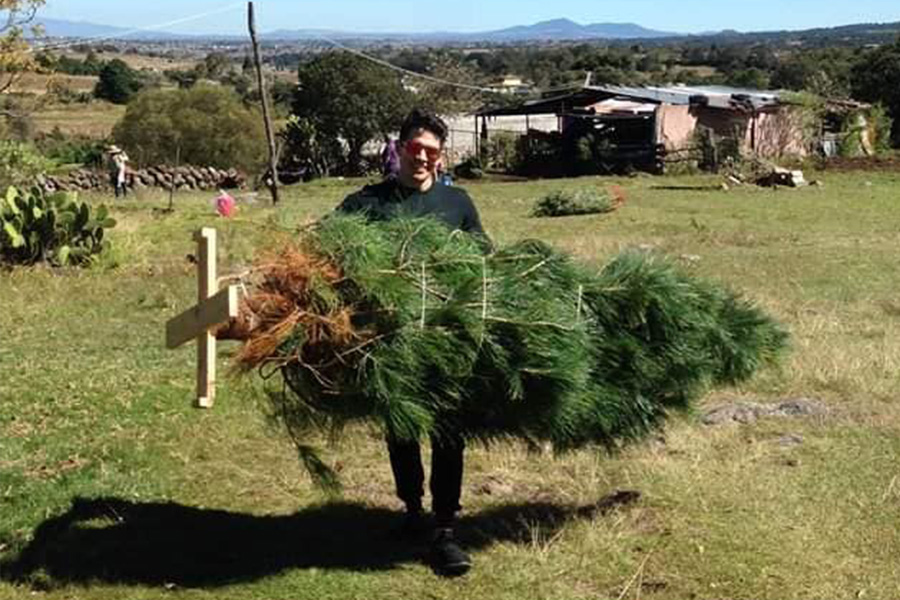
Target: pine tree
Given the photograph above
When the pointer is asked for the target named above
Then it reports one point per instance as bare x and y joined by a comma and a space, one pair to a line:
415, 328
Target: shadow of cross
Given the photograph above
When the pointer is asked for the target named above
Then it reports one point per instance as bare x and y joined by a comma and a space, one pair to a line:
213, 307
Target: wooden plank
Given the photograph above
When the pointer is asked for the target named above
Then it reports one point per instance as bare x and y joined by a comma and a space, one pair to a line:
206, 370
199, 319
207, 285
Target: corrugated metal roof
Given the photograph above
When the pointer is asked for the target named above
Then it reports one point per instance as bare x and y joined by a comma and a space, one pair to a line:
716, 96
726, 98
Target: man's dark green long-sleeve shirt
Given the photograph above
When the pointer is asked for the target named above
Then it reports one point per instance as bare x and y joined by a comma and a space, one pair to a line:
389, 199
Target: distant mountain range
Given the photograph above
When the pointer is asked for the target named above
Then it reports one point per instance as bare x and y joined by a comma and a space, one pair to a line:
60, 28
556, 30
545, 31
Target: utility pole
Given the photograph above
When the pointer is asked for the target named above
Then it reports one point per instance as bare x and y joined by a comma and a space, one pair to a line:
270, 136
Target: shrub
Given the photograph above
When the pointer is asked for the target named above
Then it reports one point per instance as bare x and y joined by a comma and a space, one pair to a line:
717, 150
63, 149
879, 124
16, 122
307, 152
63, 93
205, 126
54, 228
118, 82
500, 151
540, 154
20, 163
565, 203
469, 168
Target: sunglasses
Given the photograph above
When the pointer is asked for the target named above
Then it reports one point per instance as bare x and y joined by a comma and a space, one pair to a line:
414, 149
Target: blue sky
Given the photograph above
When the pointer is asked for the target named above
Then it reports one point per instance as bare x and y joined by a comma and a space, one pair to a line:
686, 16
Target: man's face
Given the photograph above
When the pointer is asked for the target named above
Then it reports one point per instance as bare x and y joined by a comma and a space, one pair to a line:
418, 157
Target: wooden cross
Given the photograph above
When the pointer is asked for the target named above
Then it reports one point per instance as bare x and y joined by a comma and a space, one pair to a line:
213, 307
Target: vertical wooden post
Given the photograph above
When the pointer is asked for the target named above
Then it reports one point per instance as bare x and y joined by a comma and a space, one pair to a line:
172, 186
475, 135
270, 136
206, 341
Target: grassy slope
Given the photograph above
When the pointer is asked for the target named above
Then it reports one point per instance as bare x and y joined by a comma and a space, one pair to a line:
92, 405
95, 119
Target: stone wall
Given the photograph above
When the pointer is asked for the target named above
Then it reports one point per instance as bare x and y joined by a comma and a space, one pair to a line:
181, 178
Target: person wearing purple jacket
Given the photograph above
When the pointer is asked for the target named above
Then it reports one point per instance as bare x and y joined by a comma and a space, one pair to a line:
390, 159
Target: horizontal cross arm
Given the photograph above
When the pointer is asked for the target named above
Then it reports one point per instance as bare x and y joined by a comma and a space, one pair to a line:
198, 319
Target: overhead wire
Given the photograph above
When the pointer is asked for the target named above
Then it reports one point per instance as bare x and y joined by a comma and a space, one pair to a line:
230, 7
389, 65
115, 36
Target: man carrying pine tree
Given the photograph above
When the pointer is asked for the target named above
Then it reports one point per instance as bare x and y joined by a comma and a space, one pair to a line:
414, 193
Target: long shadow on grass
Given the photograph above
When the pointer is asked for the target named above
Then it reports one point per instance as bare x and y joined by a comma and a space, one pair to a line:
117, 541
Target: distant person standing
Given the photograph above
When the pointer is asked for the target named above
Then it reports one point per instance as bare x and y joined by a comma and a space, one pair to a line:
441, 175
118, 162
390, 159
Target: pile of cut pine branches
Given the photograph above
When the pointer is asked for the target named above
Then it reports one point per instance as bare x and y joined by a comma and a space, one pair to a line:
413, 327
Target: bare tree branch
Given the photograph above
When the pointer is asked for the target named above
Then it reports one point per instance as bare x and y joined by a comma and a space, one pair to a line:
19, 12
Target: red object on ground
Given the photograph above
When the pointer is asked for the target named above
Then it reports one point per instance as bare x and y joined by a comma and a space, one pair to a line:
225, 205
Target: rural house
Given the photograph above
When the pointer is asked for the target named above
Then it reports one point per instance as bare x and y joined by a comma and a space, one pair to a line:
650, 127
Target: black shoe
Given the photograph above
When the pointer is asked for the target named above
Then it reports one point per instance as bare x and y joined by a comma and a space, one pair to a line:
447, 558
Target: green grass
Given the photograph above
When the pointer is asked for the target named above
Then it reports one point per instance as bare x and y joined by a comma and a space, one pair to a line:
177, 502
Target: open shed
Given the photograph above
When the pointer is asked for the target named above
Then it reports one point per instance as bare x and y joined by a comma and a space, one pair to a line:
646, 126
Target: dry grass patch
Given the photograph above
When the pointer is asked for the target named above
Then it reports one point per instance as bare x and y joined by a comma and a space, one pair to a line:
40, 83
95, 119
142, 61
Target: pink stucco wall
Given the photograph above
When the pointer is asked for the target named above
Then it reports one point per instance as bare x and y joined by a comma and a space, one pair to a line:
674, 126
776, 133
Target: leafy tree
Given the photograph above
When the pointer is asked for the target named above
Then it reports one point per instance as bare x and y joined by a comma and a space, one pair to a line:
184, 79
118, 82
215, 65
344, 97
206, 126
282, 93
876, 78
446, 99
15, 55
752, 78
247, 67
308, 154
20, 163
794, 74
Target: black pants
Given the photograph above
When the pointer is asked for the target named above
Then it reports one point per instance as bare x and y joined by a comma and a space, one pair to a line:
446, 474
118, 189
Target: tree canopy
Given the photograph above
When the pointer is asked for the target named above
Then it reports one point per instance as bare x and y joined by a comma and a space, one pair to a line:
118, 82
15, 55
206, 126
877, 79
344, 97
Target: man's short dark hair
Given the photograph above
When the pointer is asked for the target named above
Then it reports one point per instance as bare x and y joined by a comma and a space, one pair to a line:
423, 119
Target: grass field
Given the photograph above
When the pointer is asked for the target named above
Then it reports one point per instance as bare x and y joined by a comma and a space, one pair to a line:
39, 83
141, 61
112, 486
95, 119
